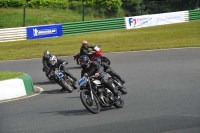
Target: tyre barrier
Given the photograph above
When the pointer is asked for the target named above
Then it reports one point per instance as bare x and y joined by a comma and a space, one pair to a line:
17, 87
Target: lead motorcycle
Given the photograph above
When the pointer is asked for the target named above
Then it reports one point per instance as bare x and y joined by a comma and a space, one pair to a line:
94, 95
97, 52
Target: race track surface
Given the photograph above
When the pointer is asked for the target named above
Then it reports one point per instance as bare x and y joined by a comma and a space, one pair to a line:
163, 97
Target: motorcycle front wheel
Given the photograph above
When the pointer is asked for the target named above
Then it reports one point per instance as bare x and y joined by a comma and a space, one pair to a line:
66, 86
92, 106
106, 60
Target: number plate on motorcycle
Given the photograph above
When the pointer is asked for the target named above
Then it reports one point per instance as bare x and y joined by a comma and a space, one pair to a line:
82, 81
96, 48
60, 75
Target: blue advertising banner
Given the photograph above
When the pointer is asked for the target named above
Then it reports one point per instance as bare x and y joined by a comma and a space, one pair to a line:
44, 31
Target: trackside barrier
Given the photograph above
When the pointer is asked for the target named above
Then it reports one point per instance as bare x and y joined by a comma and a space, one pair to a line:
92, 26
17, 87
13, 34
16, 34
194, 15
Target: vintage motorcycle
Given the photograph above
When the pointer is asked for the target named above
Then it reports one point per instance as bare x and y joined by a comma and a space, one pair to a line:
94, 95
97, 52
63, 80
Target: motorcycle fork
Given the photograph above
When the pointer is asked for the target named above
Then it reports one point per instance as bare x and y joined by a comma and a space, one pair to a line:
91, 93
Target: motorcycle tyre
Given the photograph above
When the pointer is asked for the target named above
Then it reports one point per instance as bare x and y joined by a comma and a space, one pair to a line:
106, 60
119, 103
123, 90
66, 86
82, 94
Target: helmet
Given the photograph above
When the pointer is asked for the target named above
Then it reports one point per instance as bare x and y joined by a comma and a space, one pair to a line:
85, 44
53, 60
98, 59
84, 60
46, 54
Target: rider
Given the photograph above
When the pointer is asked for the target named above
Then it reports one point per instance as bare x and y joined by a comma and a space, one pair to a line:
108, 69
55, 63
94, 68
84, 50
46, 62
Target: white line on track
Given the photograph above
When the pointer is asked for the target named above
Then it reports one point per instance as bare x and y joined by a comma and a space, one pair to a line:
24, 97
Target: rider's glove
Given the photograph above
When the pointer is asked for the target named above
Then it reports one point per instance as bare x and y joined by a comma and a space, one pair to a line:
85, 74
65, 63
96, 74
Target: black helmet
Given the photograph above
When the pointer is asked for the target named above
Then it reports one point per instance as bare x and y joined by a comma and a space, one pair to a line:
84, 60
98, 59
46, 54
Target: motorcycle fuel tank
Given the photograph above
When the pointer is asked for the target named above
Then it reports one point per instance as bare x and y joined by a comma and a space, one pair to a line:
97, 82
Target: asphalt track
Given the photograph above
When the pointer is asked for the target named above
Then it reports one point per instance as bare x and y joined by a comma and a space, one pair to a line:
163, 97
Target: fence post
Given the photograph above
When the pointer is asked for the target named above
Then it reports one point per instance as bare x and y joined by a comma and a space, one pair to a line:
24, 15
83, 10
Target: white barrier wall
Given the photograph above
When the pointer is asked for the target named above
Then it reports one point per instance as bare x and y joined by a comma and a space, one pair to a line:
12, 88
156, 19
13, 34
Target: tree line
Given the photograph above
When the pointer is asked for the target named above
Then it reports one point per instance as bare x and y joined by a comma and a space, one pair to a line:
108, 8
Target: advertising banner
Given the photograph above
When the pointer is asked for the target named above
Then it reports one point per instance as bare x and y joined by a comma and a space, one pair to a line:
154, 19
44, 31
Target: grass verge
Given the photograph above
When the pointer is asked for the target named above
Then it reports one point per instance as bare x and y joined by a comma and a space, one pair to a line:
10, 75
157, 37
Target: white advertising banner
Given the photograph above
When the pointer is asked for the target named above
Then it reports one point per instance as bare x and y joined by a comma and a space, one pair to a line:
154, 19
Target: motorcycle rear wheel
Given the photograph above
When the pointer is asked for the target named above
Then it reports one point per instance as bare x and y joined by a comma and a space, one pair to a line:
66, 86
87, 101
119, 103
123, 90
106, 60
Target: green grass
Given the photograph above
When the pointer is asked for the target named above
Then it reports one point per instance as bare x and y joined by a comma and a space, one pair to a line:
13, 17
157, 37
9, 75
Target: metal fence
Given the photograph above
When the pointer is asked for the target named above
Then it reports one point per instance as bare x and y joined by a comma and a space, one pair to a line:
86, 12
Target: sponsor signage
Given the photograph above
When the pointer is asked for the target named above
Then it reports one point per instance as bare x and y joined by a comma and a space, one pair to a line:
155, 19
46, 31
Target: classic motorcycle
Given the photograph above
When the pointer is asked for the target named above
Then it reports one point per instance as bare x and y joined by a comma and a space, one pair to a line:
64, 80
94, 95
97, 52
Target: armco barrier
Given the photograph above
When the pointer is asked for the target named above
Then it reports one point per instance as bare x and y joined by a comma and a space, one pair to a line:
194, 15
13, 34
14, 88
91, 26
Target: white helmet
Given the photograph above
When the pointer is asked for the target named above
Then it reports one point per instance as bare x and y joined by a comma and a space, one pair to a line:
53, 60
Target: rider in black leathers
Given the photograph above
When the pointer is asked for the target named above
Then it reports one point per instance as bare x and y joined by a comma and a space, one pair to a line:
46, 62
108, 69
84, 50
58, 62
94, 68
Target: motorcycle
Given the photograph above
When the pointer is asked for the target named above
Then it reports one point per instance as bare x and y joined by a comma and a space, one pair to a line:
64, 80
97, 52
94, 95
